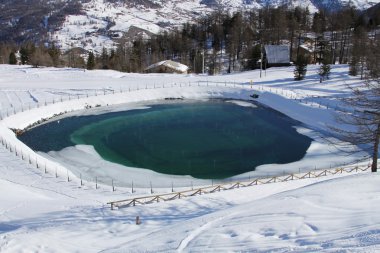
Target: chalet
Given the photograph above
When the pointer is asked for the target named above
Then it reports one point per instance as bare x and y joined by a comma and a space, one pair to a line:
277, 55
167, 66
308, 51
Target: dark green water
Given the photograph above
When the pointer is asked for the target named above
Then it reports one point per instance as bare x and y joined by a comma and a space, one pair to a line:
213, 139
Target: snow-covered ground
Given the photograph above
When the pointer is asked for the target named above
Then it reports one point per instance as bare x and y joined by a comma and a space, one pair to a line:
40, 212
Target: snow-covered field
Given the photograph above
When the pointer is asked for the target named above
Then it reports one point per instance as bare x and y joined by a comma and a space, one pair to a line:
40, 212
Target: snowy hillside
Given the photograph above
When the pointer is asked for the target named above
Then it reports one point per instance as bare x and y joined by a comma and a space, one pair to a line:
95, 23
105, 22
40, 212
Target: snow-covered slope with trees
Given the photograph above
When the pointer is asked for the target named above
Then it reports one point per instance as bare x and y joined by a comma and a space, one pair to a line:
40, 212
104, 23
92, 24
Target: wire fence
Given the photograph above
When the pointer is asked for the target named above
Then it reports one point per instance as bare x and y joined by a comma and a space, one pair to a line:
11, 143
16, 106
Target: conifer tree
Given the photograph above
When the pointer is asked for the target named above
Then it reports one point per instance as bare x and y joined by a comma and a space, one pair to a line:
12, 58
300, 68
91, 61
54, 53
24, 55
324, 70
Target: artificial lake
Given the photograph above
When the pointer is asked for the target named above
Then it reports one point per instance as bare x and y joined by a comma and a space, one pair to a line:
213, 139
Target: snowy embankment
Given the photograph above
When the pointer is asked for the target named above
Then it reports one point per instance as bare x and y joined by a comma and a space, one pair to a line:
307, 101
43, 213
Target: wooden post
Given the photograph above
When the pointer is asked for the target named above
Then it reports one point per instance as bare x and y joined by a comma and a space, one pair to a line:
113, 187
151, 188
96, 183
138, 221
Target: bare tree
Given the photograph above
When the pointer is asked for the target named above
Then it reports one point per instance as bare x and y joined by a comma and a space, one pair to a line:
364, 105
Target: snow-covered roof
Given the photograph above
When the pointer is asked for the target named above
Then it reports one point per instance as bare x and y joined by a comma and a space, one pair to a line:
307, 47
277, 54
179, 67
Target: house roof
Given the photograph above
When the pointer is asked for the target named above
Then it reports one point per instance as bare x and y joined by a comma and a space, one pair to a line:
170, 64
308, 47
277, 54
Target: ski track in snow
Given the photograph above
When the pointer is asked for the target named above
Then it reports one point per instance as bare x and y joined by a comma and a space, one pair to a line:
194, 233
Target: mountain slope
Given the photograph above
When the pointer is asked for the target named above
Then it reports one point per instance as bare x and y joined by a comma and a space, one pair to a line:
92, 24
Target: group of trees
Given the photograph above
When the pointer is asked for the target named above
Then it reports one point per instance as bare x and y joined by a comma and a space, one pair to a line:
224, 41
30, 54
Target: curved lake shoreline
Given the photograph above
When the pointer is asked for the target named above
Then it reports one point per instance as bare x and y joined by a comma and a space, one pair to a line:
225, 149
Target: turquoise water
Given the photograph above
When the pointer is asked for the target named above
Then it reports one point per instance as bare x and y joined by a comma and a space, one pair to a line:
208, 140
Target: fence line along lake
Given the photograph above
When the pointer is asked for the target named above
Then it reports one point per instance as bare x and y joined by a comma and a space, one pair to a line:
212, 139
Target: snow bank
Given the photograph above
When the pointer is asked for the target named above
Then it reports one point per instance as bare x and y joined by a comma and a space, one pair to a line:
279, 94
